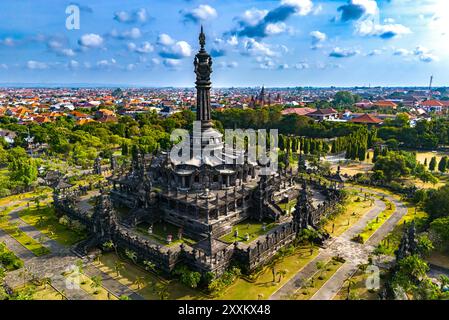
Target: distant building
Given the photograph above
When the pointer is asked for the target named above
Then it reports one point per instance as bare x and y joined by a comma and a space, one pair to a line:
385, 104
366, 119
324, 114
298, 111
8, 135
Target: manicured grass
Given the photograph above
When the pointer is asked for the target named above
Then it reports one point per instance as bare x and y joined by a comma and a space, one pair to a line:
46, 293
318, 280
161, 231
359, 290
40, 292
8, 259
375, 224
85, 283
353, 211
44, 219
34, 246
287, 207
391, 242
253, 228
130, 272
264, 286
5, 202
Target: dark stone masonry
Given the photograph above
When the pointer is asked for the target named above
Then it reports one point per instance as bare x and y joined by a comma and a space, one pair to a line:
201, 198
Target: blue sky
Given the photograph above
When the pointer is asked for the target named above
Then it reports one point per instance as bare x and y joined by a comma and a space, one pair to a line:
254, 42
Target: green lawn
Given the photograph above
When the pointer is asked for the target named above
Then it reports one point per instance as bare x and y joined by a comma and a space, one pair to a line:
317, 280
353, 211
34, 246
358, 290
264, 286
8, 259
253, 228
44, 219
375, 224
161, 231
130, 272
391, 242
86, 284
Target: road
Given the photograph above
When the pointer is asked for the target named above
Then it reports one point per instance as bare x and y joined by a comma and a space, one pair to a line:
342, 246
60, 260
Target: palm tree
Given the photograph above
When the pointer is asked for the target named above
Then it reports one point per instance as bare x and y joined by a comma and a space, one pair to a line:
118, 266
96, 283
162, 291
80, 265
281, 274
46, 282
131, 255
139, 282
351, 282
149, 266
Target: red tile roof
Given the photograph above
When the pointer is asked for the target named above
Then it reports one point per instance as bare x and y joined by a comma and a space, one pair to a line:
298, 111
366, 118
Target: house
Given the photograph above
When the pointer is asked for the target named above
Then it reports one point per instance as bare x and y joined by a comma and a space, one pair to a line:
298, 111
105, 115
385, 104
324, 114
8, 135
432, 106
364, 104
366, 119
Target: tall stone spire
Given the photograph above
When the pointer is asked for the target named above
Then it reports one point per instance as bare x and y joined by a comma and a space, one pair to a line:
203, 70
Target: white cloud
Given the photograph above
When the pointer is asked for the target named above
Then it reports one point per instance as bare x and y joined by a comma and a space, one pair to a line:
165, 40
91, 40
253, 16
420, 53
233, 41
203, 12
228, 65
303, 7
275, 28
146, 47
171, 63
172, 49
318, 37
36, 65
73, 64
255, 48
140, 15
133, 33
338, 52
387, 31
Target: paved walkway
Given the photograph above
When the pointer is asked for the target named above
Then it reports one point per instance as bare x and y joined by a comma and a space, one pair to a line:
342, 246
53, 265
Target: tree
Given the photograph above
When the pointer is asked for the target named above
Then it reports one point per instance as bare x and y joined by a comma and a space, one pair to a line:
442, 165
437, 203
97, 282
119, 266
139, 282
433, 164
393, 165
281, 274
344, 99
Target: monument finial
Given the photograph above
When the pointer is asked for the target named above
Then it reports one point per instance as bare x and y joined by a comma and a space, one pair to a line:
202, 38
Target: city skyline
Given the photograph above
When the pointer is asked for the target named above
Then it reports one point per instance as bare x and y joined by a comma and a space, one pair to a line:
283, 43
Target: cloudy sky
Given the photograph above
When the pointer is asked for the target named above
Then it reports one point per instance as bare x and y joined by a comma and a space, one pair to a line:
253, 42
